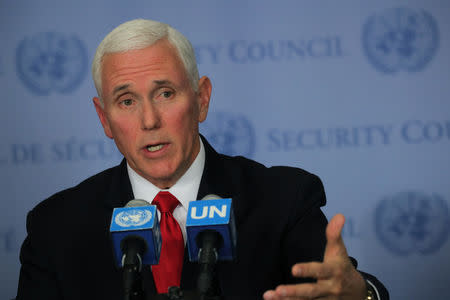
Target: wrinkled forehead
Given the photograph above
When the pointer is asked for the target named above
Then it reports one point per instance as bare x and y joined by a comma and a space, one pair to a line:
161, 45
159, 61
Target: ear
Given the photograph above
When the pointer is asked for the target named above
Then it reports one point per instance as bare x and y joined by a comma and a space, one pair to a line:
204, 95
102, 116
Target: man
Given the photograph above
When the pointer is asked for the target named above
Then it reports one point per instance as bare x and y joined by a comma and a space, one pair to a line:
150, 101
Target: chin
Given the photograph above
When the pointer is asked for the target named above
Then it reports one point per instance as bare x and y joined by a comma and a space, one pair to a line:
160, 177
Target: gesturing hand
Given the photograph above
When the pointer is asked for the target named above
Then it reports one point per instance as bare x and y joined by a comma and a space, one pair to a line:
336, 277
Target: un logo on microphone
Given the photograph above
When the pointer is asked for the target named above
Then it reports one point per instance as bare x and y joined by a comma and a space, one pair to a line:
412, 222
229, 133
400, 39
133, 217
51, 61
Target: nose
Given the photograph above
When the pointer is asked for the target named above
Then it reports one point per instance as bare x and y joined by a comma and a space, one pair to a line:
151, 118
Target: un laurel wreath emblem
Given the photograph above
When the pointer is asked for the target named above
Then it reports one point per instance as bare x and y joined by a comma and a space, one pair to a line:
231, 134
51, 62
410, 222
400, 39
133, 218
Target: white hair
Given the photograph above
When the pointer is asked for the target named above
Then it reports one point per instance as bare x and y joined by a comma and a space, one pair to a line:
138, 34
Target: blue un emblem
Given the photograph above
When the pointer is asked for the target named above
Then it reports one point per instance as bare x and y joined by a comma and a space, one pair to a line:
51, 62
400, 39
134, 217
410, 222
230, 134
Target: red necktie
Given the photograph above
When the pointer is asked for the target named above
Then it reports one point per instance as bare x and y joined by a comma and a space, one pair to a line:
168, 272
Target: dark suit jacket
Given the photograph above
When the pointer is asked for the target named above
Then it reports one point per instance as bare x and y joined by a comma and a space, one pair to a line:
68, 255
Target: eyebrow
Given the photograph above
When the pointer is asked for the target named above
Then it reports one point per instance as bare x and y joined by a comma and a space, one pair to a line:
120, 88
125, 86
162, 82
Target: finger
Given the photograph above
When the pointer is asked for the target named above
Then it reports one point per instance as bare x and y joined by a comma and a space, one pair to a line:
313, 269
334, 228
302, 291
270, 295
335, 244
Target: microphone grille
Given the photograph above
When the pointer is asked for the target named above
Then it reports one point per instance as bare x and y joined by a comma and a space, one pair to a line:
137, 203
211, 197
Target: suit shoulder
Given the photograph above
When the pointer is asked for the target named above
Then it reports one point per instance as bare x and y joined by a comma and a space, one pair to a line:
273, 174
79, 194
296, 189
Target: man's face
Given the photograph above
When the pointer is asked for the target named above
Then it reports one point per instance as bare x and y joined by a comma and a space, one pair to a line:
152, 112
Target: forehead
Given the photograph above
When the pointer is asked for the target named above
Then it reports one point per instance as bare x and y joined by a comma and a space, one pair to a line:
159, 61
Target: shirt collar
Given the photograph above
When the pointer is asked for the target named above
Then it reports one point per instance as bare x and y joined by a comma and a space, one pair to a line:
185, 189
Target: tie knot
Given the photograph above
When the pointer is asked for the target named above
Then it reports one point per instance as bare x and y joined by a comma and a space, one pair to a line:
165, 201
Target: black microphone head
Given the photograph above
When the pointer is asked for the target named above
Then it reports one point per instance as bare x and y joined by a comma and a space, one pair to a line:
137, 203
134, 242
211, 197
209, 238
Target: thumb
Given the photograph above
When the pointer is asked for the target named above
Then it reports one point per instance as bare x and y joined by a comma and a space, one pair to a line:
335, 243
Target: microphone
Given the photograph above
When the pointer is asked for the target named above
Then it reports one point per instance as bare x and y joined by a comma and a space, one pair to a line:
211, 214
211, 232
135, 231
136, 241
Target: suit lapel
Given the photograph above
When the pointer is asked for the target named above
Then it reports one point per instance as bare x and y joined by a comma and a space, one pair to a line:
216, 177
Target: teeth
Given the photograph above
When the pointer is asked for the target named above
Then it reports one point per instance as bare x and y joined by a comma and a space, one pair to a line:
154, 148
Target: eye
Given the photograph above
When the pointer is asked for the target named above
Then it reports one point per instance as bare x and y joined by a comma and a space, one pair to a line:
126, 102
165, 94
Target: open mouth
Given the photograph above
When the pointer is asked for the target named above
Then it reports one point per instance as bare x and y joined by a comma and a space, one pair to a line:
154, 148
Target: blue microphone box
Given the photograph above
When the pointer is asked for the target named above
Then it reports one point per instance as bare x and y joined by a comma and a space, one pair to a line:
137, 221
214, 215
